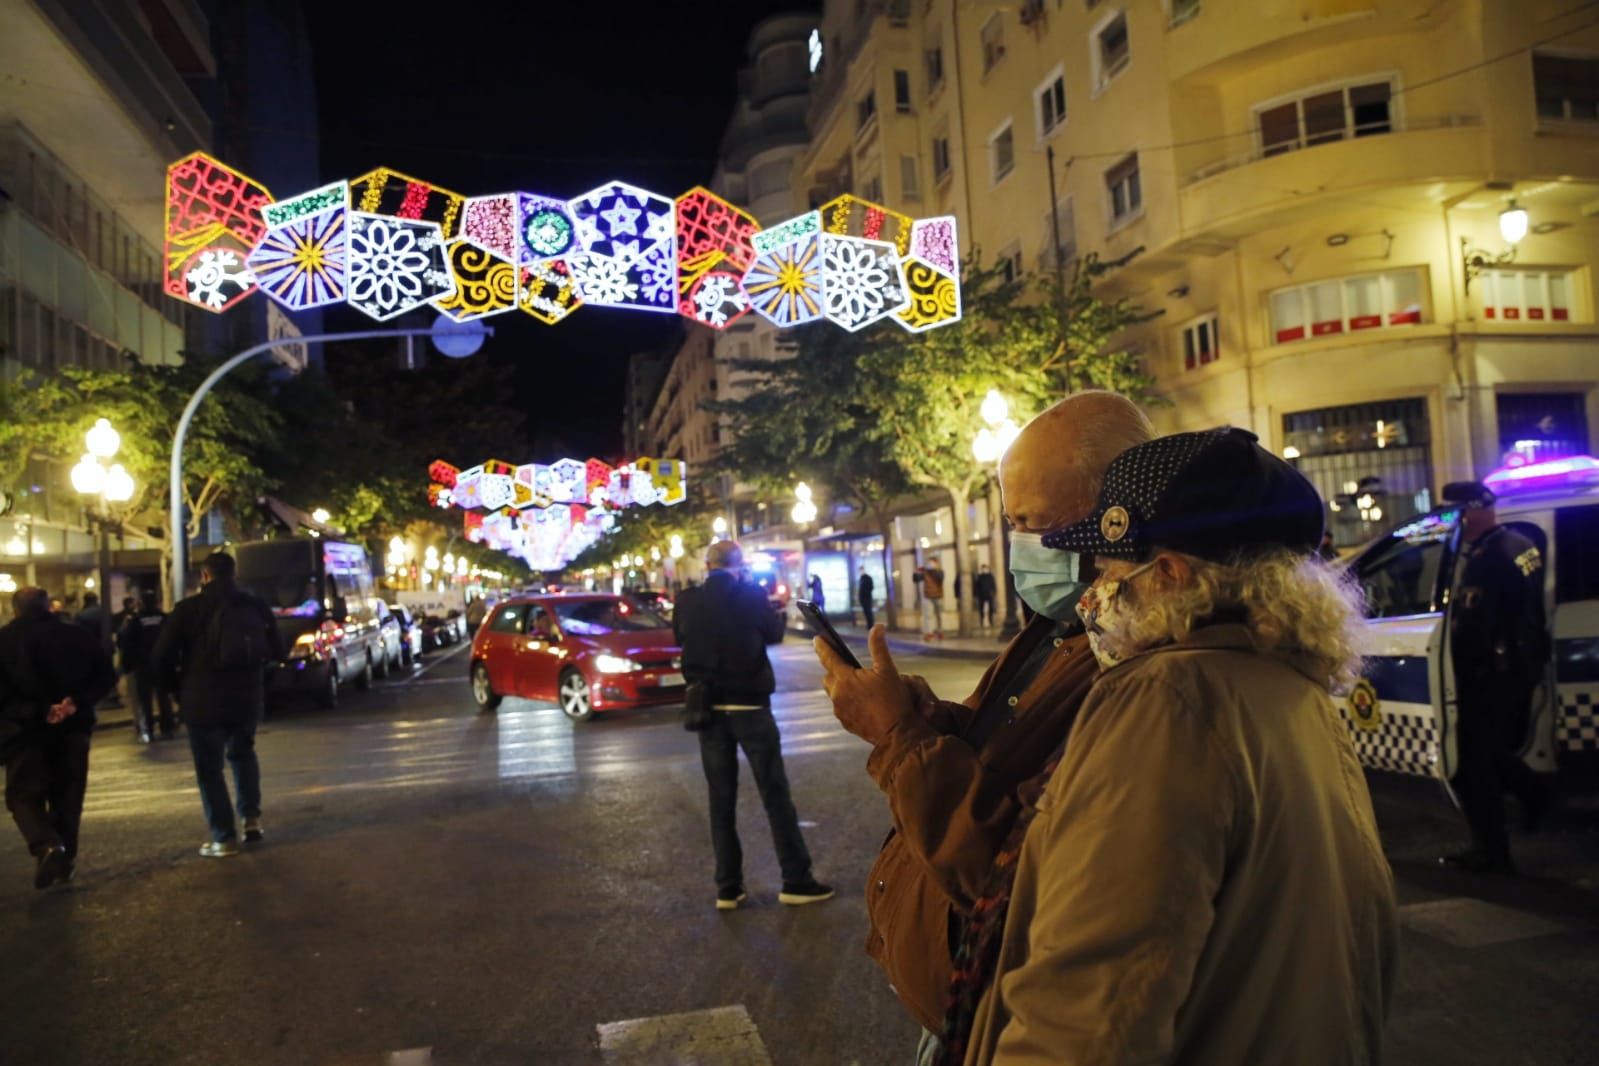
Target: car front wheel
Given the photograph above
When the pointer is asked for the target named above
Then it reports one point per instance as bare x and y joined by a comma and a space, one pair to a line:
574, 697
327, 696
363, 680
482, 690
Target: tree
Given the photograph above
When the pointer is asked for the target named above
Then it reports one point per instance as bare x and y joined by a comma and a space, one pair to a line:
48, 416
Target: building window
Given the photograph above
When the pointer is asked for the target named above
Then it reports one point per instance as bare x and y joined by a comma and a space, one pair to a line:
1566, 87
1345, 305
1051, 102
910, 185
1001, 153
935, 69
1371, 462
1526, 296
1010, 262
1125, 192
993, 41
1201, 342
865, 111
940, 158
1538, 426
1180, 11
1111, 49
1323, 117
902, 91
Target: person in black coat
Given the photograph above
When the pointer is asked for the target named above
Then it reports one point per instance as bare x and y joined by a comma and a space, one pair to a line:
52, 673
865, 588
212, 651
136, 641
723, 627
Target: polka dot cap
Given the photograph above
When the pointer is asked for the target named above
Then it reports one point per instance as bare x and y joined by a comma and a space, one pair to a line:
1136, 483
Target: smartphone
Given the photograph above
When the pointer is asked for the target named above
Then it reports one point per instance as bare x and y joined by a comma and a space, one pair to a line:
824, 629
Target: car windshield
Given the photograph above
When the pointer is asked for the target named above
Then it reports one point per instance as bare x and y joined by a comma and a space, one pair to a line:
595, 618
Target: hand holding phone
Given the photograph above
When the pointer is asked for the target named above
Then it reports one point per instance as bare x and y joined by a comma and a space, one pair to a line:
824, 629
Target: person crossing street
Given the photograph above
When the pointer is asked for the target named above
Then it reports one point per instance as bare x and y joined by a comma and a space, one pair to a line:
136, 642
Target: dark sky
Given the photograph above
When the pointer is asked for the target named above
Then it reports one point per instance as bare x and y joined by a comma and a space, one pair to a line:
548, 99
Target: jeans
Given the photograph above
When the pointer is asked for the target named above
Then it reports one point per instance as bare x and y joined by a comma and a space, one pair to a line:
150, 694
46, 774
210, 743
931, 622
755, 732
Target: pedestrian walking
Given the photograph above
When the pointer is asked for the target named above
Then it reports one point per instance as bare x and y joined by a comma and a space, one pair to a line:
476, 611
931, 576
952, 773
1327, 552
865, 587
52, 673
1198, 878
986, 592
1500, 640
212, 651
818, 597
723, 627
136, 641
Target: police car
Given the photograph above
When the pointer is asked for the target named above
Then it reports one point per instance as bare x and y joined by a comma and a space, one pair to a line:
1402, 713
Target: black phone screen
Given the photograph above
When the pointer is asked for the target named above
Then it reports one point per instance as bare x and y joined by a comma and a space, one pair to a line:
824, 629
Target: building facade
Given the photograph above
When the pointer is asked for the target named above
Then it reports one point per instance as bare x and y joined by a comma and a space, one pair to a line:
1313, 192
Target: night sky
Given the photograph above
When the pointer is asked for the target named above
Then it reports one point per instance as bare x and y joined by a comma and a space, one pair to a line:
545, 102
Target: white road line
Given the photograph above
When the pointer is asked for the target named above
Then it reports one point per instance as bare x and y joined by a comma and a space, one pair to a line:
1474, 923
721, 1036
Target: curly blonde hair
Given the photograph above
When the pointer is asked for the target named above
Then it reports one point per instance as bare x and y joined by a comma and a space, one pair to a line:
1292, 604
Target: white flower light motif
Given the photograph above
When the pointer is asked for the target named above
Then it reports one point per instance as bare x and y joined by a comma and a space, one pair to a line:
395, 265
216, 269
863, 280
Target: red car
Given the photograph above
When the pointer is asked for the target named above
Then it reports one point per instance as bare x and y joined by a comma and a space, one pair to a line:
587, 652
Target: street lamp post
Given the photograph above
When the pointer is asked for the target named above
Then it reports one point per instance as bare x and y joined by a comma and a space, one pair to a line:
988, 447
97, 479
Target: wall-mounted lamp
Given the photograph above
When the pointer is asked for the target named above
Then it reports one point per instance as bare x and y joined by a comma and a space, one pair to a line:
1513, 224
1338, 240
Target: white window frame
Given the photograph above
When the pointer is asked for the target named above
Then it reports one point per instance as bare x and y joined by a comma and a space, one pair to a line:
1396, 116
1345, 328
1104, 79
1011, 256
1191, 327
994, 176
1114, 221
910, 190
1490, 306
992, 60
1175, 19
907, 106
1042, 132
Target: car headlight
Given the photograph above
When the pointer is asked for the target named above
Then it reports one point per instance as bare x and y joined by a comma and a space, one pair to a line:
615, 664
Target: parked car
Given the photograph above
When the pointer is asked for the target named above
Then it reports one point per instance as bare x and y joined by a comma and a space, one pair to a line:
410, 634
657, 600
443, 630
391, 637
587, 652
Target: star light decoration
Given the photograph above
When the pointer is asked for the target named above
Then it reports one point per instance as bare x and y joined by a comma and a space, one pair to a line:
387, 243
548, 514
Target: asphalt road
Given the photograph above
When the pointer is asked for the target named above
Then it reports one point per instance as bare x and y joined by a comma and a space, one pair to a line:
448, 887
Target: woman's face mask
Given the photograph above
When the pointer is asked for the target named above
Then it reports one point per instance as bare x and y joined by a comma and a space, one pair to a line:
1048, 581
1103, 609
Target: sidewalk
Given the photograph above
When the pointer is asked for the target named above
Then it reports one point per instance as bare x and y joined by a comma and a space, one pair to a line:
983, 648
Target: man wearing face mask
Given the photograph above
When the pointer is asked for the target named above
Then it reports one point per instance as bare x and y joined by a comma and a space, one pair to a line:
954, 773
1200, 880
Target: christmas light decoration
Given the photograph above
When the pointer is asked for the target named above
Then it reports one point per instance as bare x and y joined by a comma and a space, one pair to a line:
547, 291
853, 217
388, 192
713, 252
785, 284
303, 263
546, 228
485, 283
395, 265
491, 221
213, 220
862, 281
628, 256
790, 232
932, 276
307, 203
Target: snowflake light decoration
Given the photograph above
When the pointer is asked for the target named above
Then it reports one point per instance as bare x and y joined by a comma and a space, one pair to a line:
485, 283
713, 252
303, 263
863, 281
213, 220
622, 220
785, 284
395, 265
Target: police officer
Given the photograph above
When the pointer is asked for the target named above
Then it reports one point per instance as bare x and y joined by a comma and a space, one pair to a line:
1501, 646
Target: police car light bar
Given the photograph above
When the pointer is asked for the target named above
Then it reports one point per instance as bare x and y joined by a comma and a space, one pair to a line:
1572, 470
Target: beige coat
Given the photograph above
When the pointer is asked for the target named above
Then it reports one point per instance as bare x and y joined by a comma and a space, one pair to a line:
1203, 882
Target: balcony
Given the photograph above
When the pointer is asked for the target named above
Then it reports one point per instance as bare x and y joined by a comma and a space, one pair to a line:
1235, 196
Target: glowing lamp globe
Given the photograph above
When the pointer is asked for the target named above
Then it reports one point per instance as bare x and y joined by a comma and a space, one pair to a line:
1513, 223
118, 484
103, 440
994, 409
88, 477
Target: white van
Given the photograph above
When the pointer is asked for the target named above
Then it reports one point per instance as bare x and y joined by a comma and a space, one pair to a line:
1402, 713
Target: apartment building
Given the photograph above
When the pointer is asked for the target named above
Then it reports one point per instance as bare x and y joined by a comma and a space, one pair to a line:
1316, 190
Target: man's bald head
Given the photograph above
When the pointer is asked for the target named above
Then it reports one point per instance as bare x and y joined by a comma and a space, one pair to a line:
30, 601
1051, 474
724, 555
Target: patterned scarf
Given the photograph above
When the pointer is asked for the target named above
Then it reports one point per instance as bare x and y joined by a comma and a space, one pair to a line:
978, 955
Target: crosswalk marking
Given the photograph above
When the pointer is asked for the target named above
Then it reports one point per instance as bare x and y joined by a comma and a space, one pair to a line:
1473, 923
721, 1036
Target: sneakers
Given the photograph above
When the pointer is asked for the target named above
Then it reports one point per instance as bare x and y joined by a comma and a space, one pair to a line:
54, 867
799, 893
253, 833
728, 899
220, 849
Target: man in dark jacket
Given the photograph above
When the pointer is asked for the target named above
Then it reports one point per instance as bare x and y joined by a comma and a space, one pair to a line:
723, 628
136, 641
865, 589
52, 673
212, 651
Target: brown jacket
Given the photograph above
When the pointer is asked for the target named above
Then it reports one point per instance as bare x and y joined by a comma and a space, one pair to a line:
952, 807
1203, 882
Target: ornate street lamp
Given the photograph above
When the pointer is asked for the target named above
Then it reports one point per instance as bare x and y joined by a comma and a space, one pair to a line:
102, 484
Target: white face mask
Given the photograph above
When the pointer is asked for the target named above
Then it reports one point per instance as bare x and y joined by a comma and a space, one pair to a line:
1101, 610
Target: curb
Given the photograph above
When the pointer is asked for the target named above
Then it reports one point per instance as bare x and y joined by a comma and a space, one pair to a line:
901, 646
